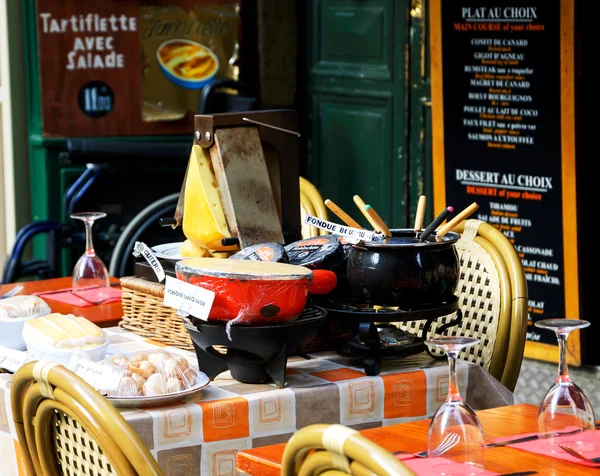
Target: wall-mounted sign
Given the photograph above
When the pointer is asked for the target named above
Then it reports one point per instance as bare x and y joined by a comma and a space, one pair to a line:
503, 135
131, 67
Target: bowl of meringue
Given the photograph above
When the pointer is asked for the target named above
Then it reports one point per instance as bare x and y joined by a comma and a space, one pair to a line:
150, 378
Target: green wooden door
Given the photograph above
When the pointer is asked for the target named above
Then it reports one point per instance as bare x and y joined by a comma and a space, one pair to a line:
358, 103
420, 132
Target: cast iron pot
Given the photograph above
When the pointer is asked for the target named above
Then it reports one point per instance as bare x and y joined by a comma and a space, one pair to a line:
404, 271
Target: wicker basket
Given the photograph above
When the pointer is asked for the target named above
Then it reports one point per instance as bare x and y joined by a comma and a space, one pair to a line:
145, 314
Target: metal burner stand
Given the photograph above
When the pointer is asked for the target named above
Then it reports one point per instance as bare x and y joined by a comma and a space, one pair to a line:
367, 344
253, 354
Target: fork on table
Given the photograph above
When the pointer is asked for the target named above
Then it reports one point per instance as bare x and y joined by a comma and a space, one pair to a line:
449, 442
572, 452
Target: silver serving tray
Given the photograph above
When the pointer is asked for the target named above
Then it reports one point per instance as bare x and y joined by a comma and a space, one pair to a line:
159, 400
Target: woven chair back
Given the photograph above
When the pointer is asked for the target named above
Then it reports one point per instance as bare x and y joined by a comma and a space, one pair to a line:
339, 451
65, 427
492, 296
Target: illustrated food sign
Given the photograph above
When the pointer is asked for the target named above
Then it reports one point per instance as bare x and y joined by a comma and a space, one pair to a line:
127, 68
503, 122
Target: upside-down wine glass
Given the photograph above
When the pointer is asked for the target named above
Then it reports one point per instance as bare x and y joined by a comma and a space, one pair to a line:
565, 408
455, 427
89, 271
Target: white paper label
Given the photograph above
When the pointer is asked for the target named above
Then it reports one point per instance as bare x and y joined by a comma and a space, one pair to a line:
103, 378
188, 299
352, 235
11, 359
142, 249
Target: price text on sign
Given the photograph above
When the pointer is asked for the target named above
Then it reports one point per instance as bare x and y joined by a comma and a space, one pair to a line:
188, 298
11, 359
351, 234
100, 377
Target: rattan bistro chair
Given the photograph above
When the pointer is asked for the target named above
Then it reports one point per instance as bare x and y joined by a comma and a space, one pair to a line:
65, 427
339, 450
492, 293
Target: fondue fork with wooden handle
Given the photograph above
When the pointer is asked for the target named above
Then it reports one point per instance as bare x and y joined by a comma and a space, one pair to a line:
342, 215
361, 206
467, 212
377, 219
420, 215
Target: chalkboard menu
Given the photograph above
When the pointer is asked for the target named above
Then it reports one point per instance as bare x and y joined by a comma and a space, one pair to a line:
503, 122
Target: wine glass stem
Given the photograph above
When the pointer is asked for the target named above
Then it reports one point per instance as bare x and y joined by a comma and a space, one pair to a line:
563, 371
89, 245
453, 393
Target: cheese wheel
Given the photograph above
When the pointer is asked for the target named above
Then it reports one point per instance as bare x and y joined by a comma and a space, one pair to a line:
321, 252
273, 252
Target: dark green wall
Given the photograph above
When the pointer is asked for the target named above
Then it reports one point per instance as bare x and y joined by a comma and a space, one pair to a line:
367, 105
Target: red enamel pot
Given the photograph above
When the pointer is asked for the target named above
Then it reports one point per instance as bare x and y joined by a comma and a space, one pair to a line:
252, 292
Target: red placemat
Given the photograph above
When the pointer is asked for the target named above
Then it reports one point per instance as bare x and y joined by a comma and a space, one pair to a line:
84, 298
437, 466
538, 447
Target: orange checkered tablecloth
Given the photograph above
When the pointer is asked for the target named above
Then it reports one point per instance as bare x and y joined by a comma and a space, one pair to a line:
203, 437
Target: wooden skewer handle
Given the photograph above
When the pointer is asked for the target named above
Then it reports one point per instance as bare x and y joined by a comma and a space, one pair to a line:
362, 207
467, 212
420, 216
342, 215
377, 219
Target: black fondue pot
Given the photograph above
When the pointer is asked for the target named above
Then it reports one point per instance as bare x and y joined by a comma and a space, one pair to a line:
404, 271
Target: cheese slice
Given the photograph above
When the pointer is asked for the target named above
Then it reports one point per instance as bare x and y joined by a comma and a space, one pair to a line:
229, 268
189, 249
203, 218
63, 331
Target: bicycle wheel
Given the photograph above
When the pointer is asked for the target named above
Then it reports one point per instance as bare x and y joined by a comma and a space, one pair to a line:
149, 216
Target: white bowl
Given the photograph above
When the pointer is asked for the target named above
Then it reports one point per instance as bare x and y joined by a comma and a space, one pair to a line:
63, 356
11, 331
14, 312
